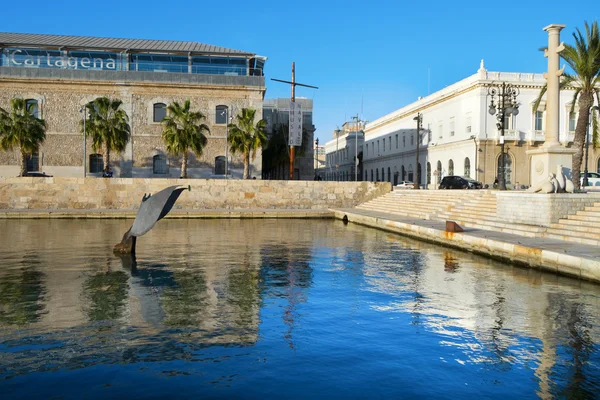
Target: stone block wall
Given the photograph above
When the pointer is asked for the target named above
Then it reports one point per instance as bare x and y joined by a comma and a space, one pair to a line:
60, 101
541, 209
126, 193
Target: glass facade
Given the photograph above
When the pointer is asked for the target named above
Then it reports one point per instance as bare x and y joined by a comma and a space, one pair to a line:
116, 61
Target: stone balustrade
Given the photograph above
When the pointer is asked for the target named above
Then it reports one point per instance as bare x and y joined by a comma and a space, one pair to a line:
541, 209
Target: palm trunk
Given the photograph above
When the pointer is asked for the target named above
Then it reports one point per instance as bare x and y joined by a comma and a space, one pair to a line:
184, 162
247, 165
106, 156
585, 102
23, 171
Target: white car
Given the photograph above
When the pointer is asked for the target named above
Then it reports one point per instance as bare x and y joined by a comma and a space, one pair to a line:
405, 185
593, 178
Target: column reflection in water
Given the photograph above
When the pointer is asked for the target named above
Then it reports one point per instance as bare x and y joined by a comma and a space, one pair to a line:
249, 292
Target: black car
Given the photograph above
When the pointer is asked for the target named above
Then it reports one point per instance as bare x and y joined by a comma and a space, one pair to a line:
459, 182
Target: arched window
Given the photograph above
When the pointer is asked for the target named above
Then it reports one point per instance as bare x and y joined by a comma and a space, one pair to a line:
32, 107
450, 167
403, 173
439, 169
373, 181
598, 167
396, 176
467, 167
159, 164
507, 167
221, 115
96, 163
429, 173
366, 176
382, 175
410, 173
419, 176
389, 174
377, 175
33, 162
160, 112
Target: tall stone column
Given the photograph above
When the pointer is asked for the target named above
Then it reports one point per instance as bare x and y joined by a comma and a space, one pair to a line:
553, 81
546, 159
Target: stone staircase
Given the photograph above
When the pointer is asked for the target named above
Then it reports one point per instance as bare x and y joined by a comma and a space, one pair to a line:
477, 209
582, 227
421, 204
480, 212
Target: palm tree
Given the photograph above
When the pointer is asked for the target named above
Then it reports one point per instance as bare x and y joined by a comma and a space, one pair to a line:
182, 131
107, 125
245, 137
584, 60
21, 129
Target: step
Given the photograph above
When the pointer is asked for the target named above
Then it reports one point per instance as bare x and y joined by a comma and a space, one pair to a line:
577, 222
578, 217
569, 232
498, 224
572, 239
497, 229
576, 228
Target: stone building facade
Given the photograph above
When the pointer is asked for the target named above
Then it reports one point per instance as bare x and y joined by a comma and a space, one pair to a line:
61, 93
460, 137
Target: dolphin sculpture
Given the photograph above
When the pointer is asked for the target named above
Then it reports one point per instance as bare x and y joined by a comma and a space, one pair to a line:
152, 209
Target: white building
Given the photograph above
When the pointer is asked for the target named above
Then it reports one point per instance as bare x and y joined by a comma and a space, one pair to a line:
459, 135
341, 151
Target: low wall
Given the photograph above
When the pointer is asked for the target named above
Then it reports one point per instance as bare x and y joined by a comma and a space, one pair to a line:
126, 193
541, 209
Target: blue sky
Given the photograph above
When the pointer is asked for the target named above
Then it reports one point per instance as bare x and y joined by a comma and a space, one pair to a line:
366, 58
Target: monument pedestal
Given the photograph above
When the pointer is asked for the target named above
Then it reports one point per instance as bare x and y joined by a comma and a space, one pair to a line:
545, 160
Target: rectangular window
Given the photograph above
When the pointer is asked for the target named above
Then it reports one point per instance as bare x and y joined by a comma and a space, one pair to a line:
452, 126
403, 140
539, 120
378, 147
412, 139
572, 122
384, 144
468, 123
440, 131
396, 140
390, 143
367, 149
428, 133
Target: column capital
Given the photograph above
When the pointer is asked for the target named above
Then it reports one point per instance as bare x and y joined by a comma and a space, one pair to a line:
554, 27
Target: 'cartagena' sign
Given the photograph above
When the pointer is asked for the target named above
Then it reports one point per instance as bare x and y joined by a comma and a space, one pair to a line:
19, 58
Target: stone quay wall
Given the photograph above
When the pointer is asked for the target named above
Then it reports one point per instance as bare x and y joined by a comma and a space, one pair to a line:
60, 193
541, 209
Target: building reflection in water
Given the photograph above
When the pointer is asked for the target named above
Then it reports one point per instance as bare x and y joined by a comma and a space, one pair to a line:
200, 284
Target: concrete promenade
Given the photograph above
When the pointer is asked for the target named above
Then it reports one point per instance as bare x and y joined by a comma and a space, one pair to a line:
566, 258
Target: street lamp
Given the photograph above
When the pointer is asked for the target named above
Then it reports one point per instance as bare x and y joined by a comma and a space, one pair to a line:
84, 111
317, 159
228, 120
337, 153
419, 119
504, 97
476, 151
356, 149
587, 145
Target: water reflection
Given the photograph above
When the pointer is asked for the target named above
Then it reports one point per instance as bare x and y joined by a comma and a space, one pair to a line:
239, 301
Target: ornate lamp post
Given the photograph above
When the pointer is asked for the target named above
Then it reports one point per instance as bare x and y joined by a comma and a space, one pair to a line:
419, 119
587, 146
503, 104
316, 158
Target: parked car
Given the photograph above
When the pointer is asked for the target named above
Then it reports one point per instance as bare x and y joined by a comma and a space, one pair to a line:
593, 178
459, 182
39, 175
405, 185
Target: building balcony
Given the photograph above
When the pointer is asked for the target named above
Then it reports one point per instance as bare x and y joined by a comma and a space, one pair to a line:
537, 136
509, 135
569, 137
